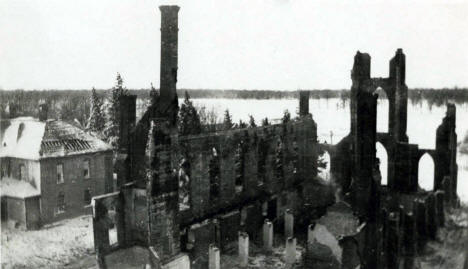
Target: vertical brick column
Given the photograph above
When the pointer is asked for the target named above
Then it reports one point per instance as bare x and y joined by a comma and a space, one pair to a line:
397, 79
290, 252
214, 259
126, 117
267, 235
288, 223
310, 233
243, 249
363, 132
446, 150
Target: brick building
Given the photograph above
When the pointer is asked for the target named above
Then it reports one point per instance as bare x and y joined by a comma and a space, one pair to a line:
49, 170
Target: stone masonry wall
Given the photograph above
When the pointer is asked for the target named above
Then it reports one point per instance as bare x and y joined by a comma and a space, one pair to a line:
286, 146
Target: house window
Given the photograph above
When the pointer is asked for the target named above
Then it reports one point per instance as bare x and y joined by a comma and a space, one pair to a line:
22, 172
60, 208
87, 196
86, 169
59, 173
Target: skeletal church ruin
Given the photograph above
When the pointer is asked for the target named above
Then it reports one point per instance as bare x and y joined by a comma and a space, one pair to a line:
186, 199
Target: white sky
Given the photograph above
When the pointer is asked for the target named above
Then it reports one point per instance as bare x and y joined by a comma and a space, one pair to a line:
234, 44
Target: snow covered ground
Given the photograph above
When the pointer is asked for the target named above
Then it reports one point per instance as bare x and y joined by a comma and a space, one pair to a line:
54, 246
450, 250
258, 258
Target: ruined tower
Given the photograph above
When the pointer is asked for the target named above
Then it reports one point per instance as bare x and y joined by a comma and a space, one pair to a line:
398, 97
363, 130
445, 177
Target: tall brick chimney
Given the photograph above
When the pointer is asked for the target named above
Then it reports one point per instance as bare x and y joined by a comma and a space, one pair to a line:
169, 44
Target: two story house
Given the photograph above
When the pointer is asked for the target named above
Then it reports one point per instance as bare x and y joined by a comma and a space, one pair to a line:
50, 169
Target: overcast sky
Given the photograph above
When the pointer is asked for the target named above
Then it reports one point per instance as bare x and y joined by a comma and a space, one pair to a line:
231, 44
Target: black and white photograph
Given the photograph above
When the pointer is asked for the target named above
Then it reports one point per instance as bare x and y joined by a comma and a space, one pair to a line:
229, 134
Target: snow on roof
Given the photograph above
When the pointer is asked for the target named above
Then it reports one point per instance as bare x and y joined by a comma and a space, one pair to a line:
21, 137
29, 138
17, 188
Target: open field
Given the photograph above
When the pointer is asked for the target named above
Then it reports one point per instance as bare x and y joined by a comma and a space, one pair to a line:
66, 243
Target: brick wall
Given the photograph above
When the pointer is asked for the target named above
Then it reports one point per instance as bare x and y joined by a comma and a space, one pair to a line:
74, 185
297, 141
16, 210
10, 167
33, 212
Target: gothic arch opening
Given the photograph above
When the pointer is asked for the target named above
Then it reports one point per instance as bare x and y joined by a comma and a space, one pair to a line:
382, 155
382, 110
184, 184
426, 172
324, 166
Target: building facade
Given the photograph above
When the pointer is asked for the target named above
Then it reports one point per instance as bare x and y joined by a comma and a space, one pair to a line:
50, 170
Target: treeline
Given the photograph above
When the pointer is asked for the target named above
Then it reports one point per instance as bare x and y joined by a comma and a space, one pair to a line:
69, 105
438, 97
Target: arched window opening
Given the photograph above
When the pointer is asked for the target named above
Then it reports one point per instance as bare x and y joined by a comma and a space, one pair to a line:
382, 110
324, 163
184, 185
426, 172
381, 154
279, 160
214, 173
262, 150
239, 167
